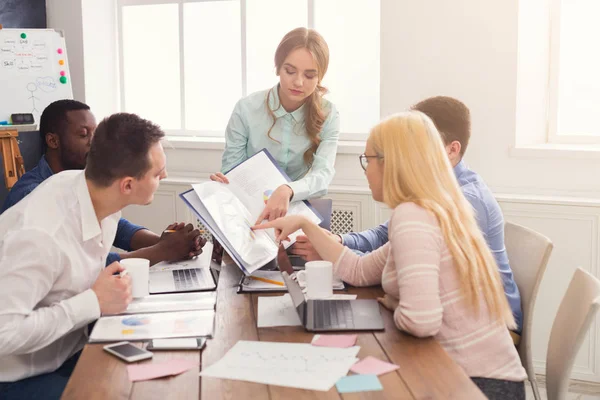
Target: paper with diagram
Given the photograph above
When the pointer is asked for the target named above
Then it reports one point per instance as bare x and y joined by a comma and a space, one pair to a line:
229, 210
154, 326
295, 365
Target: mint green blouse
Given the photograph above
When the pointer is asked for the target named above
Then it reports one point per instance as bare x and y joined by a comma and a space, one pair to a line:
246, 134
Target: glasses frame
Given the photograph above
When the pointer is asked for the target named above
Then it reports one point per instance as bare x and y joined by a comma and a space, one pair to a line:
364, 160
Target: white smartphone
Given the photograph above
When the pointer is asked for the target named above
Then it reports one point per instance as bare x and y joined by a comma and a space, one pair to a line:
127, 351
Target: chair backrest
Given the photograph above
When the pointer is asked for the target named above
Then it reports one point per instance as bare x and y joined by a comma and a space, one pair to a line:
528, 253
30, 145
573, 319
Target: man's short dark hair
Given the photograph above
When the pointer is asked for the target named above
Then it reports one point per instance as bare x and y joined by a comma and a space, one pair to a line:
54, 117
120, 148
450, 116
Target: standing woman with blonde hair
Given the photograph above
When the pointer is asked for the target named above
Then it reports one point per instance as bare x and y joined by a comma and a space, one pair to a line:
437, 271
292, 120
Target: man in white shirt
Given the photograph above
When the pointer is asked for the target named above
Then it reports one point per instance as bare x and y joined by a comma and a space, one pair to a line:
53, 247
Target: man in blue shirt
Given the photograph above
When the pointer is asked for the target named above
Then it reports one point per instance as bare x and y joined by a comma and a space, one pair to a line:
452, 119
67, 128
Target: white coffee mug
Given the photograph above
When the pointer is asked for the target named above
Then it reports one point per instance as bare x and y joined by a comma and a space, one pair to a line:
139, 271
317, 277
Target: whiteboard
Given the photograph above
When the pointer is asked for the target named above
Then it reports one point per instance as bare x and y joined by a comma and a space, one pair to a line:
34, 71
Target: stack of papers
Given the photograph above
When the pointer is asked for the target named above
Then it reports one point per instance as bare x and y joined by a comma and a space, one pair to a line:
173, 302
295, 365
247, 284
154, 326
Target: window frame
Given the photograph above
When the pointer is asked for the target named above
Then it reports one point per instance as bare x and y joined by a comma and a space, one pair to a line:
554, 137
205, 133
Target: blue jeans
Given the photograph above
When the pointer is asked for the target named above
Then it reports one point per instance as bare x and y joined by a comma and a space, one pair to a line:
46, 386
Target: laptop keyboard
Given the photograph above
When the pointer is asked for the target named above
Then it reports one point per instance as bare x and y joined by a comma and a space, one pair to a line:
331, 314
186, 278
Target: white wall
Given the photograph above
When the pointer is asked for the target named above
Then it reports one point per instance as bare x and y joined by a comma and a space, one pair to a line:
66, 15
101, 63
90, 30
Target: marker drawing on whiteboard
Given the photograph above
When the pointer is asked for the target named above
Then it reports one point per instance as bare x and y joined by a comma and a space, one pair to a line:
32, 87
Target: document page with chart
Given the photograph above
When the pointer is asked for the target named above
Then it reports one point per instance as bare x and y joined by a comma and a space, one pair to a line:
230, 210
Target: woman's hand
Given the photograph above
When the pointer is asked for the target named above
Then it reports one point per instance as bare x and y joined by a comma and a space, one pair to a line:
219, 177
277, 205
389, 302
284, 226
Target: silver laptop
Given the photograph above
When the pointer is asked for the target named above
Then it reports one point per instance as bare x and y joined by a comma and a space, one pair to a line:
184, 276
334, 315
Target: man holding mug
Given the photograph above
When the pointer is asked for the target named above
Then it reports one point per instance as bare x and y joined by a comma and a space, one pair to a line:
53, 246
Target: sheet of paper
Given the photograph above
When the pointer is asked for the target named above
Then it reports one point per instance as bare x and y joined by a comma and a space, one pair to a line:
255, 248
153, 370
373, 366
154, 326
296, 365
358, 383
173, 302
277, 311
340, 341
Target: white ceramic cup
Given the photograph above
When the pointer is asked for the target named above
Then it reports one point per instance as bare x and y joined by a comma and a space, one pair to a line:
318, 279
139, 271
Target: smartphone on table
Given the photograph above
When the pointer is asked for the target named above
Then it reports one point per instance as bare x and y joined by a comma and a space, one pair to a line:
177, 344
128, 352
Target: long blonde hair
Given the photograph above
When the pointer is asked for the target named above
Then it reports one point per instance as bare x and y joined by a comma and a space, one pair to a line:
417, 169
314, 116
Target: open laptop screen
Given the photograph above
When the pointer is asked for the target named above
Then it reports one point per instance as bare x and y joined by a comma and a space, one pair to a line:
296, 294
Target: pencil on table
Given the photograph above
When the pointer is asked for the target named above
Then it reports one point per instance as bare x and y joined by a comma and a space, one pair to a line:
258, 278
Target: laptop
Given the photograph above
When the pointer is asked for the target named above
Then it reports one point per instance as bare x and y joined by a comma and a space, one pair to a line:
331, 315
184, 276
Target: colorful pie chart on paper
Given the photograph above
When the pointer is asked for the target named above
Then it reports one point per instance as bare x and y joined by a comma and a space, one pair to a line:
135, 321
266, 195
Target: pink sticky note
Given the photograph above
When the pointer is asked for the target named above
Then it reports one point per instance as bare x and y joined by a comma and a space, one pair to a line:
144, 372
373, 366
341, 341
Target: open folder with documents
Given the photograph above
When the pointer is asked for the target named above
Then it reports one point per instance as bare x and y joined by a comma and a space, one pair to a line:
230, 210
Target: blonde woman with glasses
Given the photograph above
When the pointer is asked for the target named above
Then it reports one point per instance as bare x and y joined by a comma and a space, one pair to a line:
436, 261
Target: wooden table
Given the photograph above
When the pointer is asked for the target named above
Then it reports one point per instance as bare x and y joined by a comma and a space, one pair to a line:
426, 371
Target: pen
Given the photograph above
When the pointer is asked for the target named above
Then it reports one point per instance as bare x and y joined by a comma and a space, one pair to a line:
258, 278
169, 231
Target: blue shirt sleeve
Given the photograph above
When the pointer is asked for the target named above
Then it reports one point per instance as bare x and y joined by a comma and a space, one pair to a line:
367, 241
17, 193
125, 231
112, 257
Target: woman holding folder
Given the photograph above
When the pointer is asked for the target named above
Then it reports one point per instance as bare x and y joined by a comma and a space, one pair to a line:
292, 121
438, 274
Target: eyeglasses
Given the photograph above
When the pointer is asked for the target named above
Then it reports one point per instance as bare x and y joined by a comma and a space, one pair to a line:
364, 160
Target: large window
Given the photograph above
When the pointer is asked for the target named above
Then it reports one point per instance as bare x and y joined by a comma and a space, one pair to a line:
574, 72
185, 63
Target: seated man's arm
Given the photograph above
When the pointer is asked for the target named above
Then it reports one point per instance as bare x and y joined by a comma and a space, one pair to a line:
17, 193
367, 241
26, 278
131, 237
184, 242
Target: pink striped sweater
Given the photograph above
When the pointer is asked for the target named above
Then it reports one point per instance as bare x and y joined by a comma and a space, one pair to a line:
417, 268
